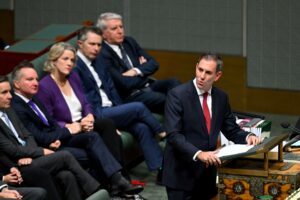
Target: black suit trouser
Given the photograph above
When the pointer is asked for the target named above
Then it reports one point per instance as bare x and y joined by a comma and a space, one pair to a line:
63, 160
37, 177
204, 188
31, 193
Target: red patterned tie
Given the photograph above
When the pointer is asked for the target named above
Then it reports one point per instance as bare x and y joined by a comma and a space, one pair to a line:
206, 111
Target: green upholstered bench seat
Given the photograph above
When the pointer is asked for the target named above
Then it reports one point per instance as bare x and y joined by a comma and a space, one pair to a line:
100, 195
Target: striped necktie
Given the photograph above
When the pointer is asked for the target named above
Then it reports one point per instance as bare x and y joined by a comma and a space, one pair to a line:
125, 57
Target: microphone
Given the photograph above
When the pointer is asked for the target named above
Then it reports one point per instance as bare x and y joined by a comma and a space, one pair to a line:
292, 128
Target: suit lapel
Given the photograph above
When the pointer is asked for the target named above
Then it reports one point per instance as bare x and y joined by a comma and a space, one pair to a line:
5, 128
195, 99
13, 118
27, 108
215, 104
43, 110
121, 63
85, 70
130, 53
7, 131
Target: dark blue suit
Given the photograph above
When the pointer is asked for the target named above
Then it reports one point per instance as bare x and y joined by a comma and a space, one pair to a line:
187, 133
133, 88
85, 147
133, 117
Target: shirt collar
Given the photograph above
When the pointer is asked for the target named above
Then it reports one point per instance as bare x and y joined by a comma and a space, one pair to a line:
199, 91
83, 58
1, 113
113, 46
23, 97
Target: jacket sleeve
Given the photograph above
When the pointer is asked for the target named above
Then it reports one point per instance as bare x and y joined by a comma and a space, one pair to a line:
43, 135
147, 68
174, 127
17, 151
122, 82
230, 128
45, 138
6, 163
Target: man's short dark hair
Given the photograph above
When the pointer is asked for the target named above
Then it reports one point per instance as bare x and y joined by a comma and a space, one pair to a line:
15, 75
213, 56
3, 78
88, 29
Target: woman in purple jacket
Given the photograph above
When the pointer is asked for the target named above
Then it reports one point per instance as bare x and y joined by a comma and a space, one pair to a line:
62, 95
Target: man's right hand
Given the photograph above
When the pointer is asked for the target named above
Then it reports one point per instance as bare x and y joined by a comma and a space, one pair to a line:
209, 158
48, 151
10, 194
55, 145
131, 72
14, 176
10, 179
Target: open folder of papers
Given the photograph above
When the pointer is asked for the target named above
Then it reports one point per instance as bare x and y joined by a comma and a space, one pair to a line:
238, 150
234, 149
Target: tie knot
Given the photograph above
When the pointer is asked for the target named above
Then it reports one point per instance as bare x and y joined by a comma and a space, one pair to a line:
121, 46
4, 114
93, 63
205, 95
30, 102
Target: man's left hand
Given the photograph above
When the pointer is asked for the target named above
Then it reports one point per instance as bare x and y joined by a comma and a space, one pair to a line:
253, 140
132, 72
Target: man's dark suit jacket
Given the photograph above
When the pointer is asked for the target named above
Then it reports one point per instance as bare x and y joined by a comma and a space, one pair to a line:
33, 123
9, 144
126, 85
91, 88
187, 133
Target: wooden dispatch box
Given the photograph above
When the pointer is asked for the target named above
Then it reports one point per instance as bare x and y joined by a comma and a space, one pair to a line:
282, 180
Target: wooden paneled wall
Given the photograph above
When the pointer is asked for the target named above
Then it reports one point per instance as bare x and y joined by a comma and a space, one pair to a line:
234, 81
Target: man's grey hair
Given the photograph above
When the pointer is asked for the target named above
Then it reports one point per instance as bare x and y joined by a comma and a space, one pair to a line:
101, 21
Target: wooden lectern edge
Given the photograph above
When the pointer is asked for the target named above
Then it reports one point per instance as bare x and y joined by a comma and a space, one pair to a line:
262, 153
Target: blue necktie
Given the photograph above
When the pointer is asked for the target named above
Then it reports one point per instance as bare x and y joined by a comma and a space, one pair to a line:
125, 57
38, 112
13, 130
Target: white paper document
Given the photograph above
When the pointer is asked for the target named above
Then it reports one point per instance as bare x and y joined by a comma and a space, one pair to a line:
233, 149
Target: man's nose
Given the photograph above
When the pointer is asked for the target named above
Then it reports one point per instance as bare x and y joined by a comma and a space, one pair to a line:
202, 75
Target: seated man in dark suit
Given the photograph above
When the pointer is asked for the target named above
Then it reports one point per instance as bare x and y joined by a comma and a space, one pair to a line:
19, 145
24, 193
24, 175
101, 93
130, 66
87, 147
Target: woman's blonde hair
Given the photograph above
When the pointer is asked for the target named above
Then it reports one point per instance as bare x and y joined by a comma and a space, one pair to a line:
55, 52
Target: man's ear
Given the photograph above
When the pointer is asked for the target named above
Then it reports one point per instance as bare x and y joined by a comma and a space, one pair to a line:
218, 75
16, 84
79, 43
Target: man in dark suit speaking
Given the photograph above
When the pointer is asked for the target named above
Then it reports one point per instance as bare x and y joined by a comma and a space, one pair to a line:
130, 66
195, 114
